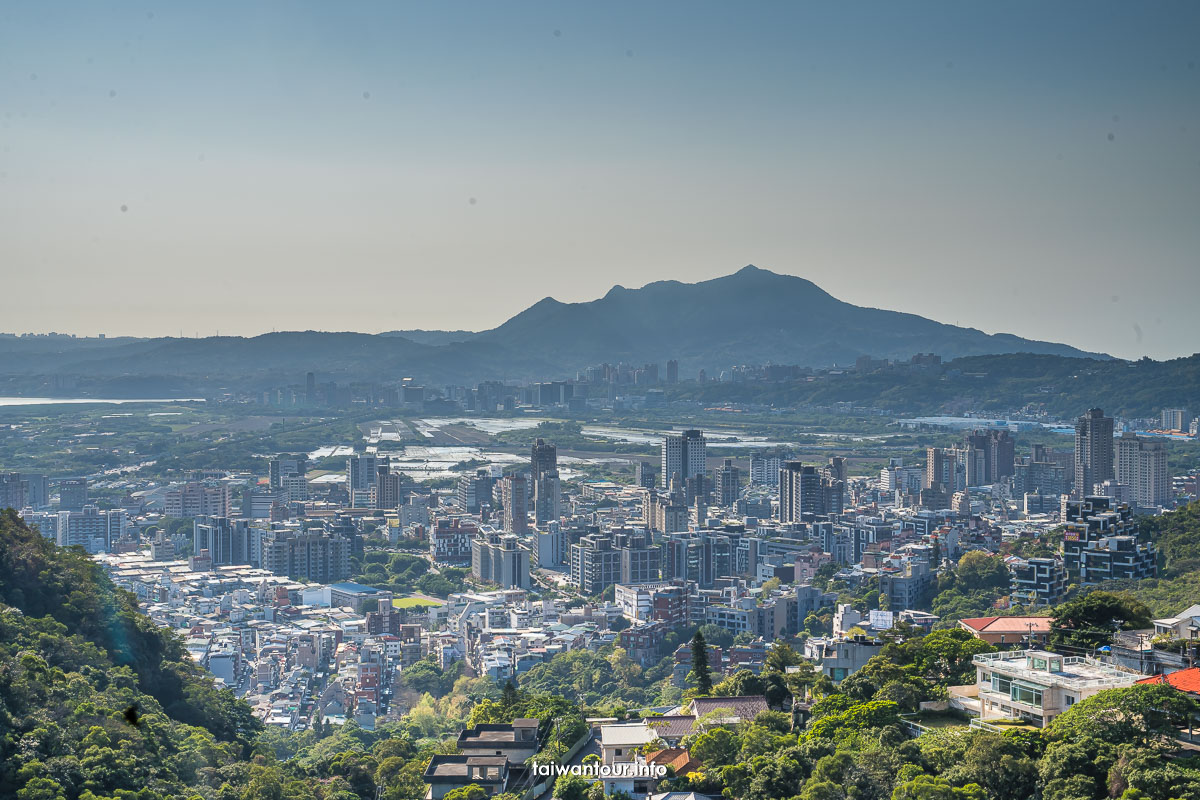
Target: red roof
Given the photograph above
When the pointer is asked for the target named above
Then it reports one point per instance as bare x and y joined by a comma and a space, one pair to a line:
1185, 680
1008, 624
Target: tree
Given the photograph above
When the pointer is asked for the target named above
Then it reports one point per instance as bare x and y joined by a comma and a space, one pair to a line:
928, 787
700, 669
571, 787
472, 791
739, 684
1089, 622
978, 571
510, 697
718, 747
781, 656
822, 790
1143, 714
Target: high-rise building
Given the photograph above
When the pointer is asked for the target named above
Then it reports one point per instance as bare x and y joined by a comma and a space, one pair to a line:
547, 489
595, 564
990, 456
547, 498
1093, 451
361, 472
37, 494
550, 546
513, 490
72, 494
474, 490
945, 469
1141, 464
684, 457
838, 468
543, 458
803, 490
896, 477
764, 469
727, 483
277, 468
14, 491
1176, 419
645, 476
295, 487
500, 559
228, 541
392, 489
310, 555
450, 540
198, 500
90, 528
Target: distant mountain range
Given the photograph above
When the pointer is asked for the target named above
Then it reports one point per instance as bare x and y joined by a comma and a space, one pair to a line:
753, 316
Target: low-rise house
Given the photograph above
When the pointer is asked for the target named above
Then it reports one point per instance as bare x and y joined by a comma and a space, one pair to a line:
448, 772
1034, 685
517, 740
1001, 631
1184, 625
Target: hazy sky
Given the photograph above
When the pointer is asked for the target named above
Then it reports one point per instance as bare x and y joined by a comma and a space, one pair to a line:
236, 166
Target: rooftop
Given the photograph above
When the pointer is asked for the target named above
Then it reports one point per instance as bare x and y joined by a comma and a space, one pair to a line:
1008, 624
625, 734
1041, 667
352, 588
1185, 680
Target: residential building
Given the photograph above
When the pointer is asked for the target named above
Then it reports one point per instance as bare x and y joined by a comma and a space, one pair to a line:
199, 500
645, 475
1102, 542
1037, 686
513, 491
805, 492
311, 556
474, 490
361, 472
1008, 631
1141, 464
764, 470
72, 494
501, 559
684, 458
1093, 451
550, 548
1039, 581
991, 456
1176, 419
277, 468
14, 491
1184, 625
727, 484
90, 528
450, 540
228, 541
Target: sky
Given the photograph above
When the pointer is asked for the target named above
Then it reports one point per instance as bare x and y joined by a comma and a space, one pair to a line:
242, 167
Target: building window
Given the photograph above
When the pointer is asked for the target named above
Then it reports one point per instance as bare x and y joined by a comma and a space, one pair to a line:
1028, 695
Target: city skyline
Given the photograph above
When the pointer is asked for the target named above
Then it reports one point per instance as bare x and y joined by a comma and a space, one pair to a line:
1022, 169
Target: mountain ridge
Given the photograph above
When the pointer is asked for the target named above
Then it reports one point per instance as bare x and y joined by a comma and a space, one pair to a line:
747, 317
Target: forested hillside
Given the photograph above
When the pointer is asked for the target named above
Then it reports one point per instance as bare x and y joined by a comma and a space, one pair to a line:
1177, 536
96, 703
